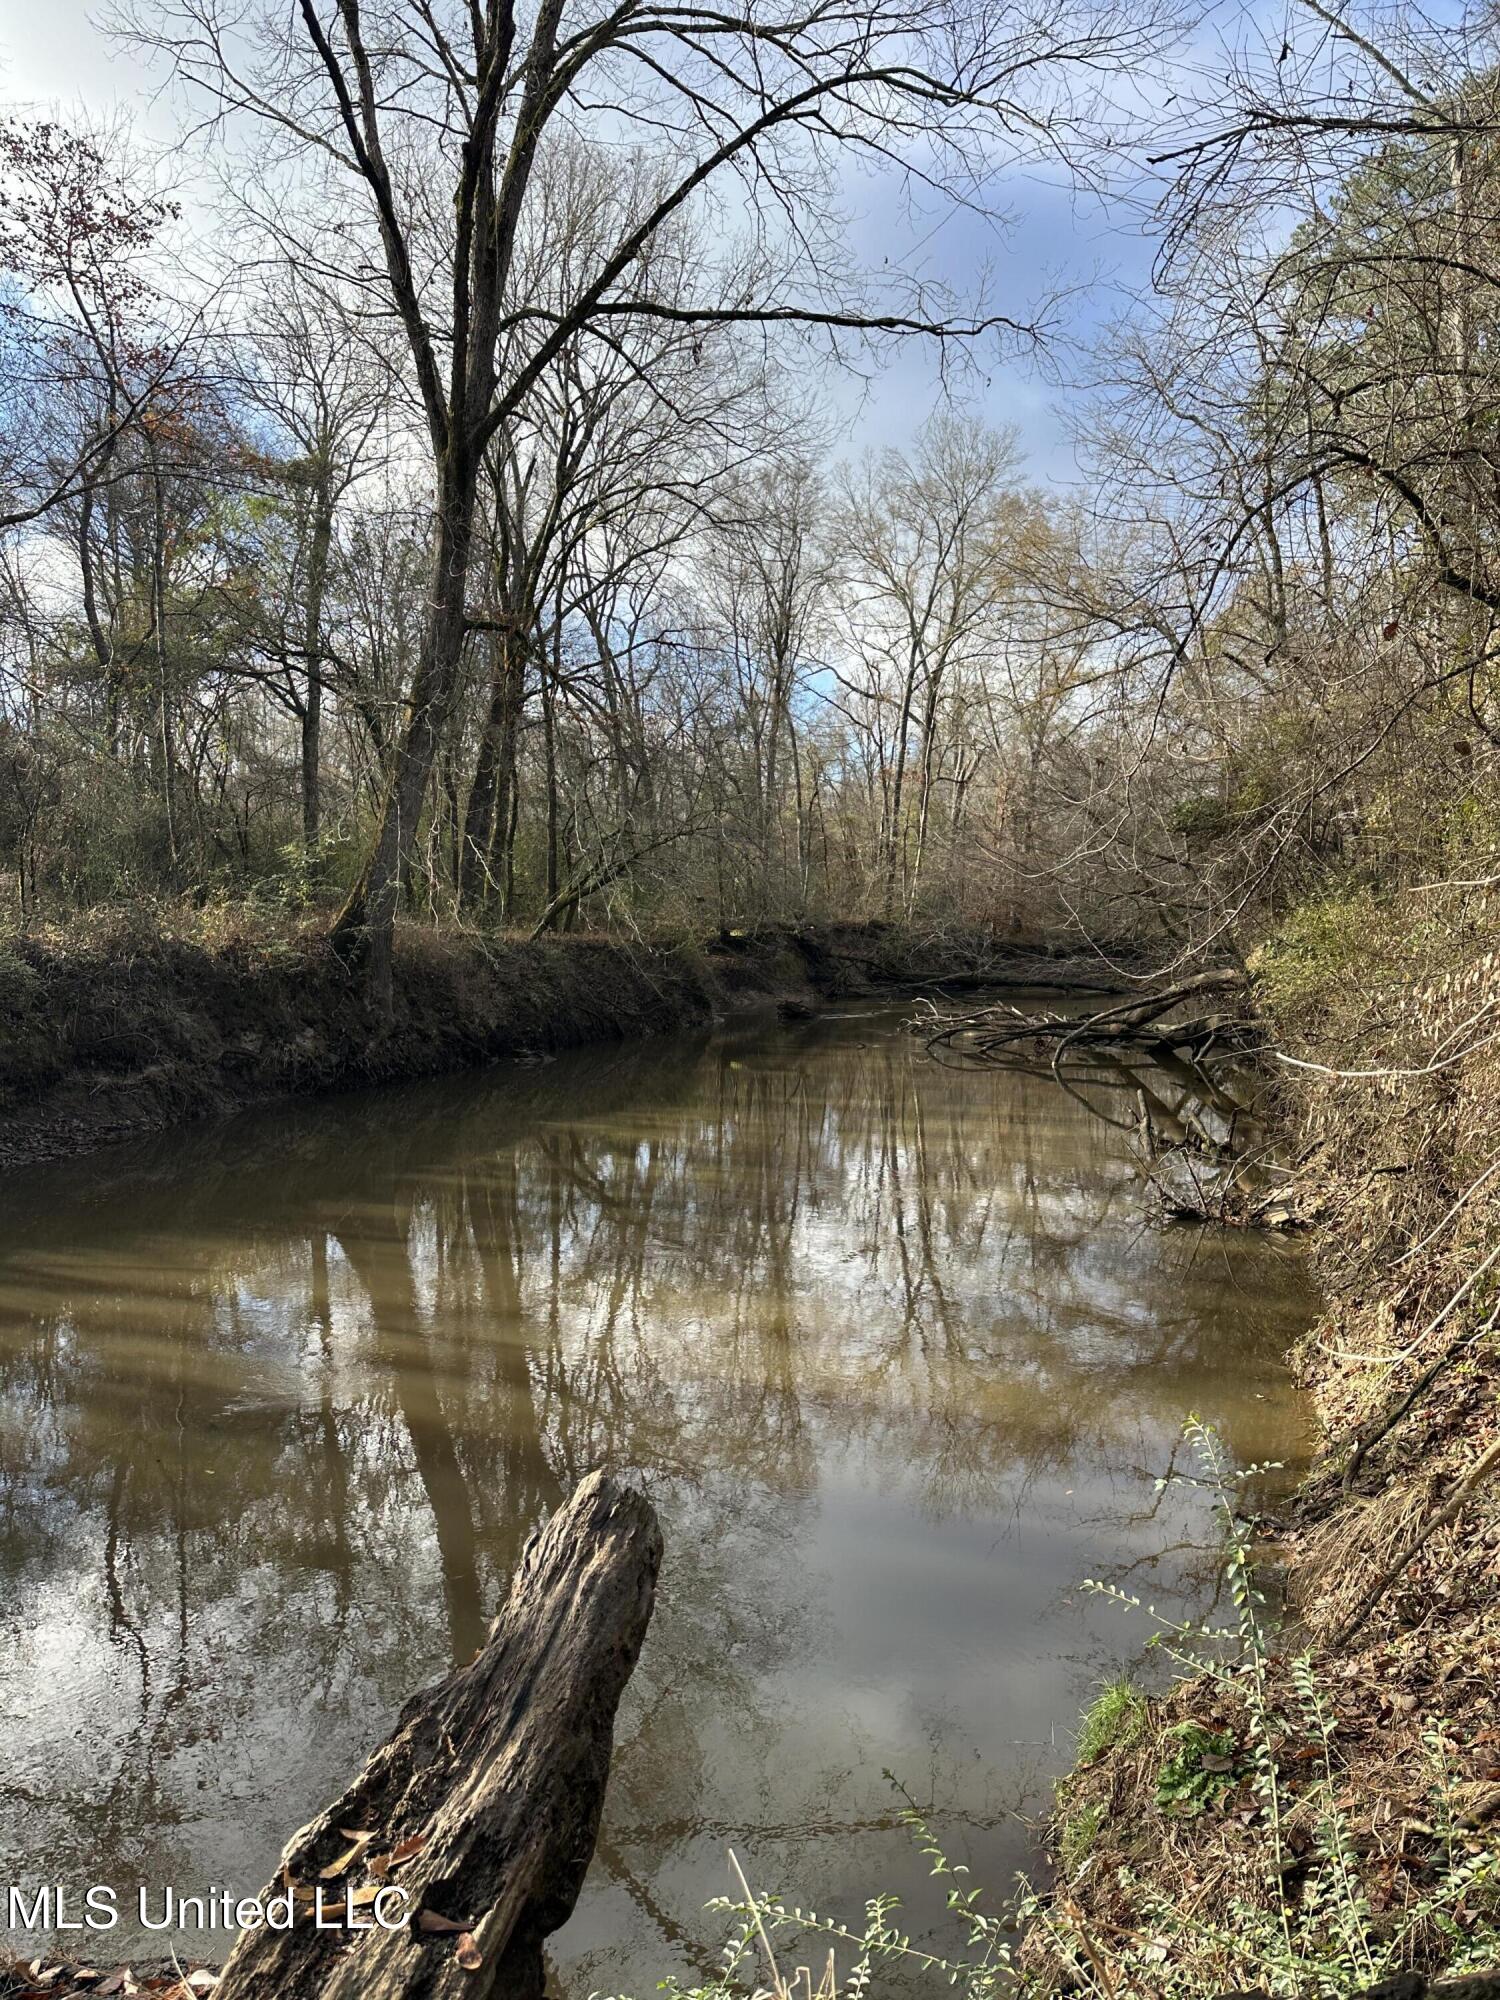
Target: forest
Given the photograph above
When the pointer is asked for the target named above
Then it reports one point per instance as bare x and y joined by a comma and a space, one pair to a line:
476, 577
441, 513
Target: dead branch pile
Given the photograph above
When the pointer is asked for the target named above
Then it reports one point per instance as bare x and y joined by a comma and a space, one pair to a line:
1000, 1033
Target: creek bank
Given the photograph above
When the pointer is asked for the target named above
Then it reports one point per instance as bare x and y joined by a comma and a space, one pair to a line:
129, 1022
1330, 1813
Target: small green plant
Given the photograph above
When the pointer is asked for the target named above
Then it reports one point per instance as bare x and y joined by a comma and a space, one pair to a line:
749, 1967
1325, 1941
305, 871
1078, 1835
1113, 1720
1200, 1771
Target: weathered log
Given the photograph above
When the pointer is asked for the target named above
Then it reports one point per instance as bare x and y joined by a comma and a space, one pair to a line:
483, 1806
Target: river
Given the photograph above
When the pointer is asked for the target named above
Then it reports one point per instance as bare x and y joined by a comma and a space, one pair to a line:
892, 1348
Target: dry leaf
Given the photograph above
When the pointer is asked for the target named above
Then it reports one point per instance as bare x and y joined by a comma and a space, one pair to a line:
436, 1926
358, 1842
405, 1849
467, 1952
362, 1898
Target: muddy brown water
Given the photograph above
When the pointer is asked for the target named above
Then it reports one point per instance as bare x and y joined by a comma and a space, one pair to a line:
891, 1348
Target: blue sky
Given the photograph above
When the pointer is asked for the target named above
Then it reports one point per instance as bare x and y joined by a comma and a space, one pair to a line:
53, 58
1056, 238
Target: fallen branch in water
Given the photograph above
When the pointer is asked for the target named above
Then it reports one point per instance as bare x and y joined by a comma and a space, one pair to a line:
1192, 1119
991, 1034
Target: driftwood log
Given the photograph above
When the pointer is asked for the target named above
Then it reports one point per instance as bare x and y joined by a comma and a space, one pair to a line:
484, 1804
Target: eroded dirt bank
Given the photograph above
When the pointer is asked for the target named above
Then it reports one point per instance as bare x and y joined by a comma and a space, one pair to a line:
130, 1024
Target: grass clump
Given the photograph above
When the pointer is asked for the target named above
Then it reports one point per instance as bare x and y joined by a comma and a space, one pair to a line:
1078, 1836
1113, 1720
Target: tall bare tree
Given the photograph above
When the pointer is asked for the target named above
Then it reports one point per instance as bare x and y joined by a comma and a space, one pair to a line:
757, 106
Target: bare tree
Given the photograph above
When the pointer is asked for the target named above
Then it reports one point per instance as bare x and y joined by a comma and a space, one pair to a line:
756, 106
326, 393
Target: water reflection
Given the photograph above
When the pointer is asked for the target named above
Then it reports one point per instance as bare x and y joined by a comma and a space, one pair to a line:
889, 1345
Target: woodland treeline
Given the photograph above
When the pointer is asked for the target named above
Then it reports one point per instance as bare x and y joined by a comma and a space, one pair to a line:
426, 487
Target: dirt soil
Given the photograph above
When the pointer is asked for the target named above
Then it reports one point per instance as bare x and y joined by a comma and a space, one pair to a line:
129, 1022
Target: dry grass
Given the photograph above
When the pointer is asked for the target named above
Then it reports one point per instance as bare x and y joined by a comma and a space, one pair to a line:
1402, 1173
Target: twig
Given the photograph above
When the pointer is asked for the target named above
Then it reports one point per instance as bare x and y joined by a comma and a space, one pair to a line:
1368, 1441
1474, 1478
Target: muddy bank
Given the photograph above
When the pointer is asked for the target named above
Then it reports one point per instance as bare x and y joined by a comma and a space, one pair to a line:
126, 1024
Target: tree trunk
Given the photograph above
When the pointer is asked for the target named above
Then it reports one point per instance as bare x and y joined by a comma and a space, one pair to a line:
549, 740
365, 927
312, 640
894, 860
165, 736
489, 795
499, 1772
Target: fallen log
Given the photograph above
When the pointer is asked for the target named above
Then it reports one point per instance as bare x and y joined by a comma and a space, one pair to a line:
483, 1806
997, 1034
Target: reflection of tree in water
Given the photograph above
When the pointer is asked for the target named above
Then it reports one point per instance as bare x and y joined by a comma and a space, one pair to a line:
276, 1394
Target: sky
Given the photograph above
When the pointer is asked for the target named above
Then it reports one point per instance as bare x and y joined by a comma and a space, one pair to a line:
54, 58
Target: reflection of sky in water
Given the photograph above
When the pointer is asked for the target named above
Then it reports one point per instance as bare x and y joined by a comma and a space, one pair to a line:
889, 1346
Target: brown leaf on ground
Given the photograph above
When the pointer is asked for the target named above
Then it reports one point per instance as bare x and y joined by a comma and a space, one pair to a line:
467, 1952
